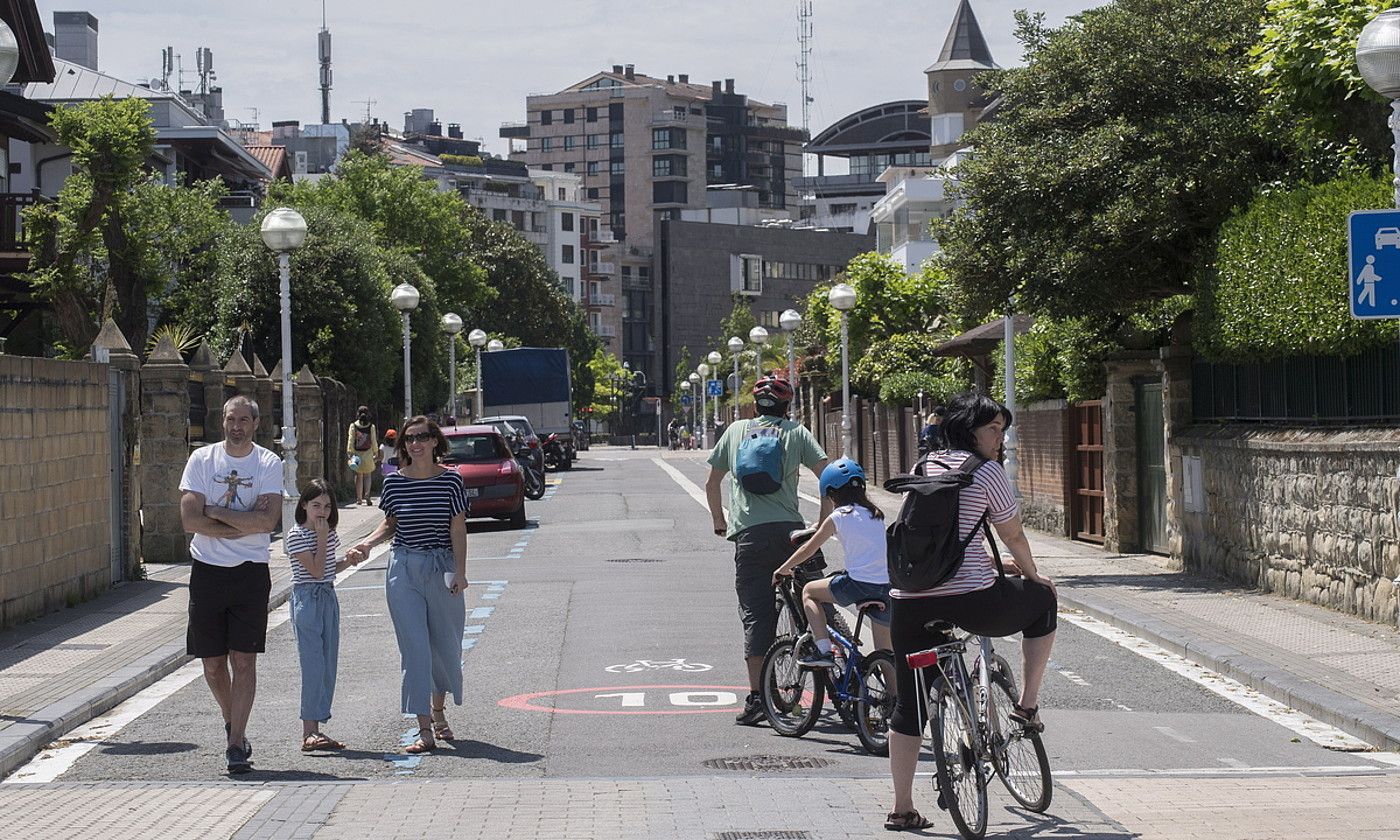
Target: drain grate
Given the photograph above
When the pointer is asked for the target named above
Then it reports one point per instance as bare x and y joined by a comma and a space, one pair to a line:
761, 835
767, 763
635, 560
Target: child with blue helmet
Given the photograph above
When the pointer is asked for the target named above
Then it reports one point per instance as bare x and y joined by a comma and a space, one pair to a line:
859, 526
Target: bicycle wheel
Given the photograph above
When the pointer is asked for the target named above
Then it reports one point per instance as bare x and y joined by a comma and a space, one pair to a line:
875, 702
1019, 756
845, 708
790, 620
959, 777
792, 695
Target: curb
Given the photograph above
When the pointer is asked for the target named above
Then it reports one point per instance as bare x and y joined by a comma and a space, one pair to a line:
22, 741
1346, 713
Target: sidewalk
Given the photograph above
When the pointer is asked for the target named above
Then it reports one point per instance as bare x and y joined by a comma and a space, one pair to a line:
1340, 669
62, 670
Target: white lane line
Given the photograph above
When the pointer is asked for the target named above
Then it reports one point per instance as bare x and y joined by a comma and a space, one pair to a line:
686, 484
53, 762
1322, 734
1232, 762
1116, 704
1074, 678
1174, 735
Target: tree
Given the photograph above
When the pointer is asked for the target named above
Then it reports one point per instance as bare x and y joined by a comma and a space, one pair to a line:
116, 236
1117, 151
607, 372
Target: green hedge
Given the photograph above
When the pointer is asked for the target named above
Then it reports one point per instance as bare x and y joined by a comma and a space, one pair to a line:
1279, 286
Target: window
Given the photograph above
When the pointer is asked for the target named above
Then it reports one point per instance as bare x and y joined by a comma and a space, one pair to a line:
750, 274
563, 194
566, 221
667, 165
568, 116
568, 167
570, 141
546, 143
566, 254
592, 191
517, 219
661, 138
643, 272
498, 214
546, 117
548, 167
590, 115
615, 139
593, 170
594, 141
615, 111
841, 209
669, 192
617, 167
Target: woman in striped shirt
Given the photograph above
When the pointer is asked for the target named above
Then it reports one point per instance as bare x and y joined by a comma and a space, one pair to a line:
425, 506
977, 598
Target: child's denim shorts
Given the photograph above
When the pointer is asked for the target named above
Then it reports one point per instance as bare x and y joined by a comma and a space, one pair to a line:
847, 591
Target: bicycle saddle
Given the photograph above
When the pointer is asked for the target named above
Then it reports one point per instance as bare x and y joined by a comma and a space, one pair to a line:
801, 535
870, 605
945, 628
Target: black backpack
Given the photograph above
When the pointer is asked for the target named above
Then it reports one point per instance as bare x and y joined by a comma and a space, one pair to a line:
924, 549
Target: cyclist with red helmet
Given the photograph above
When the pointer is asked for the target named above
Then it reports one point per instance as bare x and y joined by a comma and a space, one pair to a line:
762, 457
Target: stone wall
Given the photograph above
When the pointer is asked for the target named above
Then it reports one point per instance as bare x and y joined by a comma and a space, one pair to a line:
1310, 514
55, 490
1043, 455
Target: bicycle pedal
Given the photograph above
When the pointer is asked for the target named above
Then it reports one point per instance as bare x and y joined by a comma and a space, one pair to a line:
941, 804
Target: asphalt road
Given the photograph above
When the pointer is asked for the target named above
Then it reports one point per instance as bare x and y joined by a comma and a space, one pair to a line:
618, 567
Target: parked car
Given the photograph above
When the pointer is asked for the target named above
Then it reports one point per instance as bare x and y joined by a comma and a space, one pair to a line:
495, 486
509, 424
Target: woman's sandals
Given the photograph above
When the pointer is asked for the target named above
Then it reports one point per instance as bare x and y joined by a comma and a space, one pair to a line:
441, 730
907, 821
422, 745
318, 741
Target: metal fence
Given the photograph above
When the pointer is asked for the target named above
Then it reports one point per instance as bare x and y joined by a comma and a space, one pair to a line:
1303, 389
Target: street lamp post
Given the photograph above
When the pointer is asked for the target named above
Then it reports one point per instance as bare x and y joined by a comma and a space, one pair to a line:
283, 231
1010, 444
697, 384
405, 299
842, 298
685, 393
704, 371
714, 359
736, 346
790, 320
759, 337
477, 339
452, 324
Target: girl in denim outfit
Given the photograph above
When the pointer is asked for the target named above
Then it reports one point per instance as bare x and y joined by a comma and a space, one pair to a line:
312, 547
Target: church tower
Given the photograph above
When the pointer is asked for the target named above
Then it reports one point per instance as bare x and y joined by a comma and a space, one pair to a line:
954, 102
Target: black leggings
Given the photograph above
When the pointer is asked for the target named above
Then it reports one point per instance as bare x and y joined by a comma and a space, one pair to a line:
1011, 605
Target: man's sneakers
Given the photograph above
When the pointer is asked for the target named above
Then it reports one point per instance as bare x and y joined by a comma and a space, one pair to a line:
238, 762
753, 714
816, 659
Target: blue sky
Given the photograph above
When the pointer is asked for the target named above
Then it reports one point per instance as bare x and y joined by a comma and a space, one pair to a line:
475, 63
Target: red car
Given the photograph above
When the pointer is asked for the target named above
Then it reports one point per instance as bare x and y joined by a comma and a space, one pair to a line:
495, 486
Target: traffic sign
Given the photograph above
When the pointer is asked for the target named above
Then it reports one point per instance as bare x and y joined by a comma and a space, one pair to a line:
685, 399
1373, 255
714, 388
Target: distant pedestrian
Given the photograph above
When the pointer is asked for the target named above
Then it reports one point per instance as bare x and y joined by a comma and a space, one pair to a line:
312, 546
763, 457
931, 436
388, 459
229, 578
361, 446
425, 506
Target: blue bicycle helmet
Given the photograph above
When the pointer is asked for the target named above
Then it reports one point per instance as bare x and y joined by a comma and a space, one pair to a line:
839, 473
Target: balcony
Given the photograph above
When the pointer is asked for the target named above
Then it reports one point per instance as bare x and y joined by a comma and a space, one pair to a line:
13, 241
602, 269
605, 330
601, 236
601, 299
669, 117
515, 130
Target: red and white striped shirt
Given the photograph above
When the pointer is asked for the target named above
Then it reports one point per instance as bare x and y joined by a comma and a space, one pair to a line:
989, 493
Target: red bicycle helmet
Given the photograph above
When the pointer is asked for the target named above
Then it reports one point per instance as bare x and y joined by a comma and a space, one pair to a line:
771, 391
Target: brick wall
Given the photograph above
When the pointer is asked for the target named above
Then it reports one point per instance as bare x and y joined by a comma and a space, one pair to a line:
1043, 430
55, 495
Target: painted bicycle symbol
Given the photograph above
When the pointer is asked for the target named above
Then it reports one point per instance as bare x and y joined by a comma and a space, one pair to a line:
658, 665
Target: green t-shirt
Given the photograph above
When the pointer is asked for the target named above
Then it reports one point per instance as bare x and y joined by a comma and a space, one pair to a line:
746, 509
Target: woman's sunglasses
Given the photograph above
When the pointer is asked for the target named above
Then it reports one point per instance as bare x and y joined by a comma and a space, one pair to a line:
418, 437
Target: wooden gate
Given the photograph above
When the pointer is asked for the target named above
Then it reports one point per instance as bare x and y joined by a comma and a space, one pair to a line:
1087, 471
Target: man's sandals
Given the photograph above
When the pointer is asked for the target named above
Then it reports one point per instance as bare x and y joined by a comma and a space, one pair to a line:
907, 821
318, 741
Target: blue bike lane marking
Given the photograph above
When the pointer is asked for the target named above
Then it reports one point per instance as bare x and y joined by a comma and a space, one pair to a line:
406, 764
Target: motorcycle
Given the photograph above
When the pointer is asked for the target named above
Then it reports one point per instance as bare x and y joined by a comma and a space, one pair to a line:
556, 455
534, 479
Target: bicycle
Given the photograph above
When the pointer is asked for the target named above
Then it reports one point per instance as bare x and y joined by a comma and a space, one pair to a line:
970, 729
860, 685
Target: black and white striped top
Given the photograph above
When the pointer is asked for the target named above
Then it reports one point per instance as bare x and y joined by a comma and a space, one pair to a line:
423, 508
302, 538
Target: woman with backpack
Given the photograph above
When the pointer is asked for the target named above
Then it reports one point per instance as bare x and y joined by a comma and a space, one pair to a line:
977, 597
361, 449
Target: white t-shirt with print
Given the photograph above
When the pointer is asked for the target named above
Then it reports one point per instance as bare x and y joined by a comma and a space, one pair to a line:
234, 483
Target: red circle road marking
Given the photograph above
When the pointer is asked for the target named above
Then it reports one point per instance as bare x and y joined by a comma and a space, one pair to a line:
522, 701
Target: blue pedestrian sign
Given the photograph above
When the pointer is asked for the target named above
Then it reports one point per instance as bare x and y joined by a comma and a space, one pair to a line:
1373, 255
685, 399
714, 388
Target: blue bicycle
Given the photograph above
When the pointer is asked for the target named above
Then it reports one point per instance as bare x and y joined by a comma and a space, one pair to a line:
861, 685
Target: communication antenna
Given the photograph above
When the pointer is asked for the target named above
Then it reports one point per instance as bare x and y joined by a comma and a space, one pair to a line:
324, 45
167, 66
804, 64
204, 60
368, 103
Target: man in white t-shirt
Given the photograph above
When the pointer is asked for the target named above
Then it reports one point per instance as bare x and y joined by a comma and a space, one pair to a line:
231, 501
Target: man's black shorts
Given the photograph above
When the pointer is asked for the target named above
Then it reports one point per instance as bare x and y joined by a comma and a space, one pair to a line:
228, 609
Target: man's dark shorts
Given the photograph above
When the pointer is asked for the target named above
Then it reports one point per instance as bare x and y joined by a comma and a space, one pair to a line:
758, 552
228, 609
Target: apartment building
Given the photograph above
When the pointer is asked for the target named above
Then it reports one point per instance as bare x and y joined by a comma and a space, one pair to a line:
646, 149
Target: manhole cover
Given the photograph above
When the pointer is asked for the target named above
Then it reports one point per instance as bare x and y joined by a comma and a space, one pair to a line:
767, 763
761, 835
634, 560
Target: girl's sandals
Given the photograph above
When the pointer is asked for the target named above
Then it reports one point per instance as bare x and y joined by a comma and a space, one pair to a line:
907, 821
1027, 719
318, 741
441, 730
422, 745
